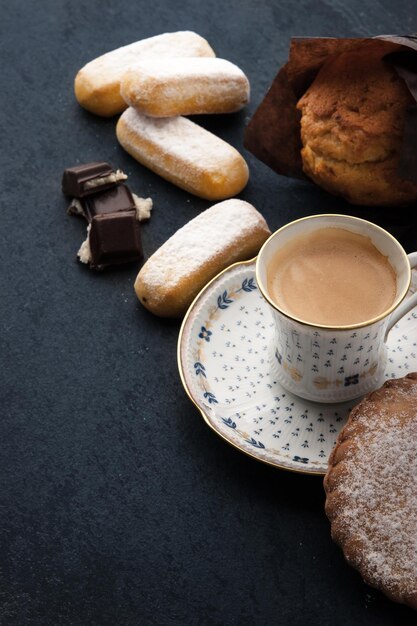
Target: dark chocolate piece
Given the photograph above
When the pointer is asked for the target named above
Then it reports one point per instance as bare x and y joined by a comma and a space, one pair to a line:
109, 207
115, 238
112, 201
75, 181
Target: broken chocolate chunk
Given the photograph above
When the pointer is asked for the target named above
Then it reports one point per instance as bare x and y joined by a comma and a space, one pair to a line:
82, 180
111, 201
114, 238
111, 210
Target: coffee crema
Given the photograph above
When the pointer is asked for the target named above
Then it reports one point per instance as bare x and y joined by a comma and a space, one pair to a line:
331, 277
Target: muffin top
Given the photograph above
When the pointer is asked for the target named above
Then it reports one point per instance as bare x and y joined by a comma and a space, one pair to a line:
352, 124
365, 100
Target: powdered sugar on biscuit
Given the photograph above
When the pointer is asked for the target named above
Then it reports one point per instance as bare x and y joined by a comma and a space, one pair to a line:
378, 489
110, 66
192, 247
188, 67
178, 138
185, 86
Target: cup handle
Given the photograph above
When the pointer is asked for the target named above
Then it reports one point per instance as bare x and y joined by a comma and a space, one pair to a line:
407, 304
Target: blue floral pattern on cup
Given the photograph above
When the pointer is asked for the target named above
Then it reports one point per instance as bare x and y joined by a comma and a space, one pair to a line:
341, 364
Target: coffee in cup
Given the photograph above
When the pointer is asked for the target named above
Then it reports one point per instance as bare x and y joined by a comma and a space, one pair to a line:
332, 277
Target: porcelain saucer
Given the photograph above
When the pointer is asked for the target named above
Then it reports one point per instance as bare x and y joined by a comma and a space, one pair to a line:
226, 367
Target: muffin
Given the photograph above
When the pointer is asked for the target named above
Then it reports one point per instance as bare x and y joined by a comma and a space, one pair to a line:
352, 121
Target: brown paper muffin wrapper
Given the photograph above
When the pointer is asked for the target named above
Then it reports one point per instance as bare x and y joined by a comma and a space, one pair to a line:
273, 133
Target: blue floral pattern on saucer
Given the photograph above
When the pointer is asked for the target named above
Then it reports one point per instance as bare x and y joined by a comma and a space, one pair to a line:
228, 371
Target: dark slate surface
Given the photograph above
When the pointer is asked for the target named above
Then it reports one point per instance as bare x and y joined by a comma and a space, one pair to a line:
118, 504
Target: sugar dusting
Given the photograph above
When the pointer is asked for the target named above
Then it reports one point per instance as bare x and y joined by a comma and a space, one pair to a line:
193, 82
192, 146
380, 493
109, 66
189, 67
195, 244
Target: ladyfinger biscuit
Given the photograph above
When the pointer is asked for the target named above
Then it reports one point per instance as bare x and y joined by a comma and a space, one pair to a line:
184, 153
229, 231
181, 86
97, 84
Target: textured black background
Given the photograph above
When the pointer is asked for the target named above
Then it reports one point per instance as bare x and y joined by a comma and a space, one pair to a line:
118, 504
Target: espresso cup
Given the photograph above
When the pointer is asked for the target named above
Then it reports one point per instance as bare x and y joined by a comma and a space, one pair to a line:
334, 363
